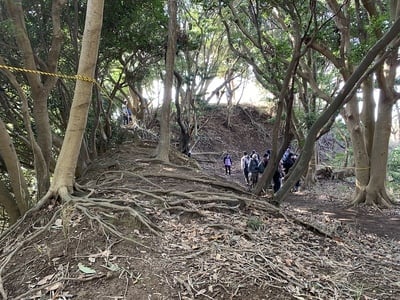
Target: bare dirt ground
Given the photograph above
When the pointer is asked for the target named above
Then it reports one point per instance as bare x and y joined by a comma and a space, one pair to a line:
184, 230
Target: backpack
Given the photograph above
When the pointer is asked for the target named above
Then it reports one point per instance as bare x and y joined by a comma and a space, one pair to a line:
262, 165
253, 165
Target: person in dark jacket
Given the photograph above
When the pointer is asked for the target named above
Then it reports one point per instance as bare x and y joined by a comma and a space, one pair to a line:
253, 170
277, 177
263, 163
287, 164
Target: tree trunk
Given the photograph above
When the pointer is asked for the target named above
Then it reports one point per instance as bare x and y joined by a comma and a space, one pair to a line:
41, 86
283, 95
310, 178
398, 122
39, 161
361, 158
348, 88
368, 113
371, 167
64, 173
185, 127
16, 176
8, 202
376, 189
230, 89
164, 142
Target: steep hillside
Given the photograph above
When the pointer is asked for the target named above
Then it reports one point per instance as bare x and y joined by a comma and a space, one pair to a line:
250, 130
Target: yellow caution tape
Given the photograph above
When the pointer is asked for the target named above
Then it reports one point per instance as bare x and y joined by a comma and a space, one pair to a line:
338, 167
71, 77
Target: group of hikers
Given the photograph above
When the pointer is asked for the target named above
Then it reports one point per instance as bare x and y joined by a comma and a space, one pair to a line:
252, 165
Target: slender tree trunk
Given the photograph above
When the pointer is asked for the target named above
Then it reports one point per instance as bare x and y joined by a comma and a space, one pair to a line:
230, 90
39, 161
16, 176
397, 136
64, 174
185, 128
368, 113
164, 142
361, 158
40, 86
8, 202
284, 94
310, 174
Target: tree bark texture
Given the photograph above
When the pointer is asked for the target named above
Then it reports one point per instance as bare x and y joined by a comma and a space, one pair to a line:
18, 205
164, 142
41, 86
64, 174
377, 130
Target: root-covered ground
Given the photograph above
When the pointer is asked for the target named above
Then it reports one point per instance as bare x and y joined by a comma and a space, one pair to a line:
140, 229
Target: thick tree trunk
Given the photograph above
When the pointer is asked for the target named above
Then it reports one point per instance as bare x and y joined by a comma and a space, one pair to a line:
64, 174
374, 192
377, 132
164, 142
368, 113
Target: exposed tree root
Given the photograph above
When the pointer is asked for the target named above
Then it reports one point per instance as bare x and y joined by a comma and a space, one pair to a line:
207, 201
234, 229
108, 205
17, 245
198, 202
116, 193
92, 208
208, 181
121, 173
312, 227
186, 210
373, 198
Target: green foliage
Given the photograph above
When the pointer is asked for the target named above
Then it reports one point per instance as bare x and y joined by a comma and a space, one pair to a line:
134, 26
337, 159
254, 223
203, 107
394, 166
6, 28
333, 147
306, 119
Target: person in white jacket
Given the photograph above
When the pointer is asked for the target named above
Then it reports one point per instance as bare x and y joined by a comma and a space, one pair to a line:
244, 166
